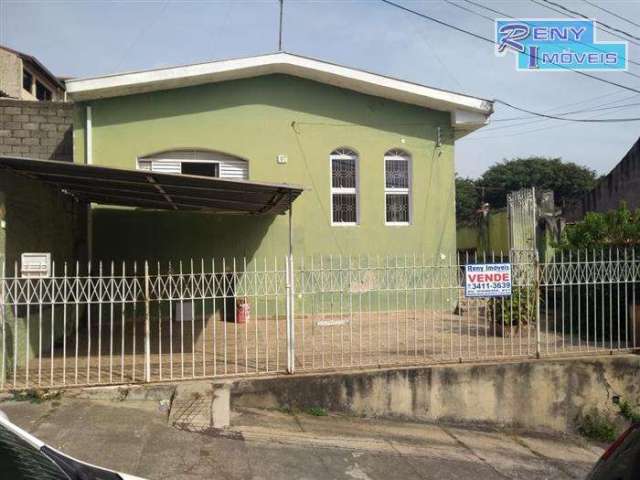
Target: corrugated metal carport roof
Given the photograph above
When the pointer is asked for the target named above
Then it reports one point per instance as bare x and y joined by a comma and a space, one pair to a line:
135, 188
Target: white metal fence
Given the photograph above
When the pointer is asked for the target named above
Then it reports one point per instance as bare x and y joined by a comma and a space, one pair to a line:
140, 322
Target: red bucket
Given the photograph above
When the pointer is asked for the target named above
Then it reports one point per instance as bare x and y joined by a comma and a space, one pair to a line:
243, 311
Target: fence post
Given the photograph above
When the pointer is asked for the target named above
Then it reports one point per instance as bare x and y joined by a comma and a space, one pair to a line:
290, 291
537, 275
147, 321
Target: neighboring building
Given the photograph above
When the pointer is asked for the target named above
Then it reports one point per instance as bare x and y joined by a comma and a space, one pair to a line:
622, 184
23, 77
374, 154
33, 217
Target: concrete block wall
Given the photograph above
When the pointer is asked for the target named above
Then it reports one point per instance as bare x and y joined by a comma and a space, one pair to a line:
36, 217
36, 129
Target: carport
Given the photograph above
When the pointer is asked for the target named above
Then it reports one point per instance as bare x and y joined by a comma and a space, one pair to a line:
158, 191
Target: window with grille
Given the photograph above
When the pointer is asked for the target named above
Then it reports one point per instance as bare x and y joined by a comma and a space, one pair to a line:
397, 187
344, 187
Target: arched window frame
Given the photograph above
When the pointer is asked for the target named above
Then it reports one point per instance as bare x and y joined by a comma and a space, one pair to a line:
342, 192
173, 161
397, 190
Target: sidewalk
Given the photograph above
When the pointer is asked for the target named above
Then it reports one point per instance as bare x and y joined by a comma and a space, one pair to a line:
134, 437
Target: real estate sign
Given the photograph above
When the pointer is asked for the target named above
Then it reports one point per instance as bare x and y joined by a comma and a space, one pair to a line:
488, 280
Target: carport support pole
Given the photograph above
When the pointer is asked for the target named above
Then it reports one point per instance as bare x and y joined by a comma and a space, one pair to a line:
147, 323
290, 298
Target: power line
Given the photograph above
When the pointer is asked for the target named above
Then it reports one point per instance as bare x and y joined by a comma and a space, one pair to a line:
485, 39
554, 117
146, 27
510, 16
613, 14
561, 12
492, 20
623, 32
564, 105
538, 120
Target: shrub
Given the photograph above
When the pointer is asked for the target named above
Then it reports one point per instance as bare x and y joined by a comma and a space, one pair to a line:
597, 426
513, 312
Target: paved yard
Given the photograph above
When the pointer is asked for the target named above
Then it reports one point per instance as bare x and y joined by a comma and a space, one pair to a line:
114, 352
134, 437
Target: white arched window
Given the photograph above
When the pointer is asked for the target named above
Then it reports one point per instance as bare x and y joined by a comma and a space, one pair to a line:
204, 163
344, 187
397, 187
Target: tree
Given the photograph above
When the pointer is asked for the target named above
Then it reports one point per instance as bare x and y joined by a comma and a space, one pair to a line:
467, 199
568, 181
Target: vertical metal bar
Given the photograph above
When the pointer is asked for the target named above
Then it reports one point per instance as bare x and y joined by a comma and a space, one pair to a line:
100, 298
170, 282
77, 311
3, 319
248, 317
135, 320
192, 290
147, 325
536, 280
288, 313
123, 304
587, 271
234, 285
181, 319
203, 289
15, 324
159, 306
214, 283
610, 302
40, 283
64, 323
224, 310
53, 320
111, 312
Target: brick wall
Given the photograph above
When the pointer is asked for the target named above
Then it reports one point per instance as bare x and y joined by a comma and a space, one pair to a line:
622, 184
36, 129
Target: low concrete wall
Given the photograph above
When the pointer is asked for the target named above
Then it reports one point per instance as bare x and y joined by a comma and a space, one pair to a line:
536, 394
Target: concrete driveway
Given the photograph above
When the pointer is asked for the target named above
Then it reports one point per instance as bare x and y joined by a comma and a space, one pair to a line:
134, 437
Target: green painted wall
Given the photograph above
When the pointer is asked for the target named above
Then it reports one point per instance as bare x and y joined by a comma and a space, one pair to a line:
493, 237
257, 119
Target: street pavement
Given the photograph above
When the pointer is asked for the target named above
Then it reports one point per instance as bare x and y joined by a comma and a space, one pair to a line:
135, 437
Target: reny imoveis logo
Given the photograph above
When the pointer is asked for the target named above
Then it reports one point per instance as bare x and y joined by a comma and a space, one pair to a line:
558, 45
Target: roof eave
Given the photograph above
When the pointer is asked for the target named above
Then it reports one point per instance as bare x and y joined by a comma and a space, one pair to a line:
282, 63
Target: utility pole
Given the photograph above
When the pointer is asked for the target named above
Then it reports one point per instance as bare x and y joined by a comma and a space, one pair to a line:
280, 29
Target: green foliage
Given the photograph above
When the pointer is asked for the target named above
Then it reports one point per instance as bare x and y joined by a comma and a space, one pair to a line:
628, 412
317, 411
597, 426
616, 228
568, 181
467, 200
515, 311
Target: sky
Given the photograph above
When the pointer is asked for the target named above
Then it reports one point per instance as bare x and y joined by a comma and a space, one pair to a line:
80, 38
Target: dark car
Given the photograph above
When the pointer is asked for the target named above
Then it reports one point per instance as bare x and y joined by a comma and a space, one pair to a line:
621, 461
24, 457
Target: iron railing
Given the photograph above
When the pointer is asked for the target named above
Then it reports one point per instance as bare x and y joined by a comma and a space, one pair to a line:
141, 322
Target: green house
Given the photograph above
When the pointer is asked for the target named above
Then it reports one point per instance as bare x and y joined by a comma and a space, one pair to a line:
374, 155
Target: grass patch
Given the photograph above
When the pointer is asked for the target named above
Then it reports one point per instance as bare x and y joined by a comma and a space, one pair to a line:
597, 426
317, 411
36, 395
